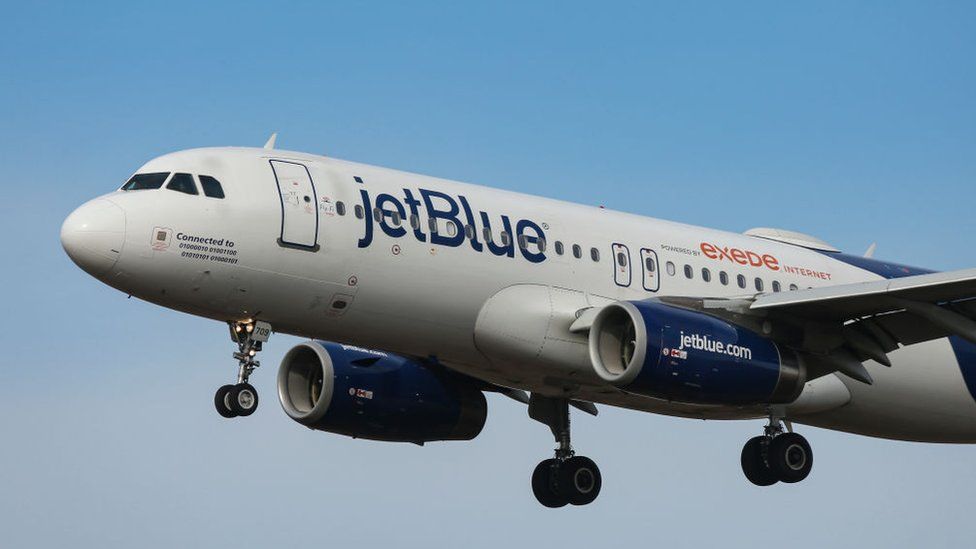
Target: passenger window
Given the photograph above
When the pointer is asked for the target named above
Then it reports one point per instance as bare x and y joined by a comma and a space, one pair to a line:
621, 259
649, 264
396, 218
358, 210
469, 232
506, 238
182, 182
759, 284
741, 280
559, 248
594, 254
432, 225
577, 251
340, 206
670, 268
212, 188
723, 277
793, 287
706, 275
776, 286
524, 243
377, 214
689, 272
414, 221
452, 228
145, 181
487, 234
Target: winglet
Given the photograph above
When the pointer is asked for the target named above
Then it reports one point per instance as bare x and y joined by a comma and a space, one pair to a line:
270, 144
870, 253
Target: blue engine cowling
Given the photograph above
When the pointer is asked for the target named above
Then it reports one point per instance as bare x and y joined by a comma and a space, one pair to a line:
654, 349
375, 395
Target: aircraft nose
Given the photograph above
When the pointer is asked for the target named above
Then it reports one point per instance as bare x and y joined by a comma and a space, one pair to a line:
93, 234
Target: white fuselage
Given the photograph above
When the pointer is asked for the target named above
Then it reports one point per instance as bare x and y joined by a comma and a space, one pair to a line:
381, 282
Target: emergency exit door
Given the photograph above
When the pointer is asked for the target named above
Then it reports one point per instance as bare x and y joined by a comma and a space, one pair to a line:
652, 274
621, 265
299, 205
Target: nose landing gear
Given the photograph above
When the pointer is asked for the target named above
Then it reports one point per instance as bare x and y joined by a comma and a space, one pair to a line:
242, 399
776, 456
566, 478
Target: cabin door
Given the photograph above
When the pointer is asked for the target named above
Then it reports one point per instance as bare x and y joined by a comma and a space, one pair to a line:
299, 205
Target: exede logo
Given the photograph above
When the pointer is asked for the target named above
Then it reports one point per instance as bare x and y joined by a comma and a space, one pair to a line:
742, 257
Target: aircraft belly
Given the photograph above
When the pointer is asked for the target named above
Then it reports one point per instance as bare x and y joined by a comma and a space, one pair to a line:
922, 397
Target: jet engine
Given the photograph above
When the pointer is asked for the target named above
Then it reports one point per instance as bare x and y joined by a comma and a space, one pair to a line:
376, 395
654, 349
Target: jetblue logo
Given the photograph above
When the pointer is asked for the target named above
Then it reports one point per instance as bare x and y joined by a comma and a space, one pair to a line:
706, 343
444, 209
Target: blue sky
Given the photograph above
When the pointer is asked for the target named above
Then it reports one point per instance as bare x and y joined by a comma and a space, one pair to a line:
854, 122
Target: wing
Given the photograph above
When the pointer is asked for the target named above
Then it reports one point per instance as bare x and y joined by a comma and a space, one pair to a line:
841, 326
868, 298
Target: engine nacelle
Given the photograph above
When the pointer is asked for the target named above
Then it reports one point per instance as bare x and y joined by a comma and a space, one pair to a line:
654, 349
375, 395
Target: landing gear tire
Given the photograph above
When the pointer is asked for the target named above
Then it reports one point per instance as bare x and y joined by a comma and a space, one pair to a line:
545, 484
566, 478
754, 463
790, 457
243, 399
222, 401
580, 479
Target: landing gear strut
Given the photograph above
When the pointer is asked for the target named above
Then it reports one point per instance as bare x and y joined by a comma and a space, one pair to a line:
777, 456
242, 399
565, 478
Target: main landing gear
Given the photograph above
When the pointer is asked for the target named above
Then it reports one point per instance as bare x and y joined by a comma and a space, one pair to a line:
566, 478
242, 399
776, 456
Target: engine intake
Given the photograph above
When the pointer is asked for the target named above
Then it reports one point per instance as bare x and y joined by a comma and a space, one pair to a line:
375, 395
654, 349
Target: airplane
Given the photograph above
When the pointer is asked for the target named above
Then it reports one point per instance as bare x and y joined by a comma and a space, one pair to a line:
418, 295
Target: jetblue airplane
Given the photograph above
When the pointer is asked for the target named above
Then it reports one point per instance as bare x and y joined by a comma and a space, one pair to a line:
420, 294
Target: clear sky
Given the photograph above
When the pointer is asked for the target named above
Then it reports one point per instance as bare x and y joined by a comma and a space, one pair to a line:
854, 122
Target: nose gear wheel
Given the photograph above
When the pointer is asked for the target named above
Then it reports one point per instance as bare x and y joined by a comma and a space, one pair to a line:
241, 399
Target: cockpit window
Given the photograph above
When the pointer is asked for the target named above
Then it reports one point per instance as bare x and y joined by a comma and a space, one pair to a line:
212, 188
143, 181
182, 182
